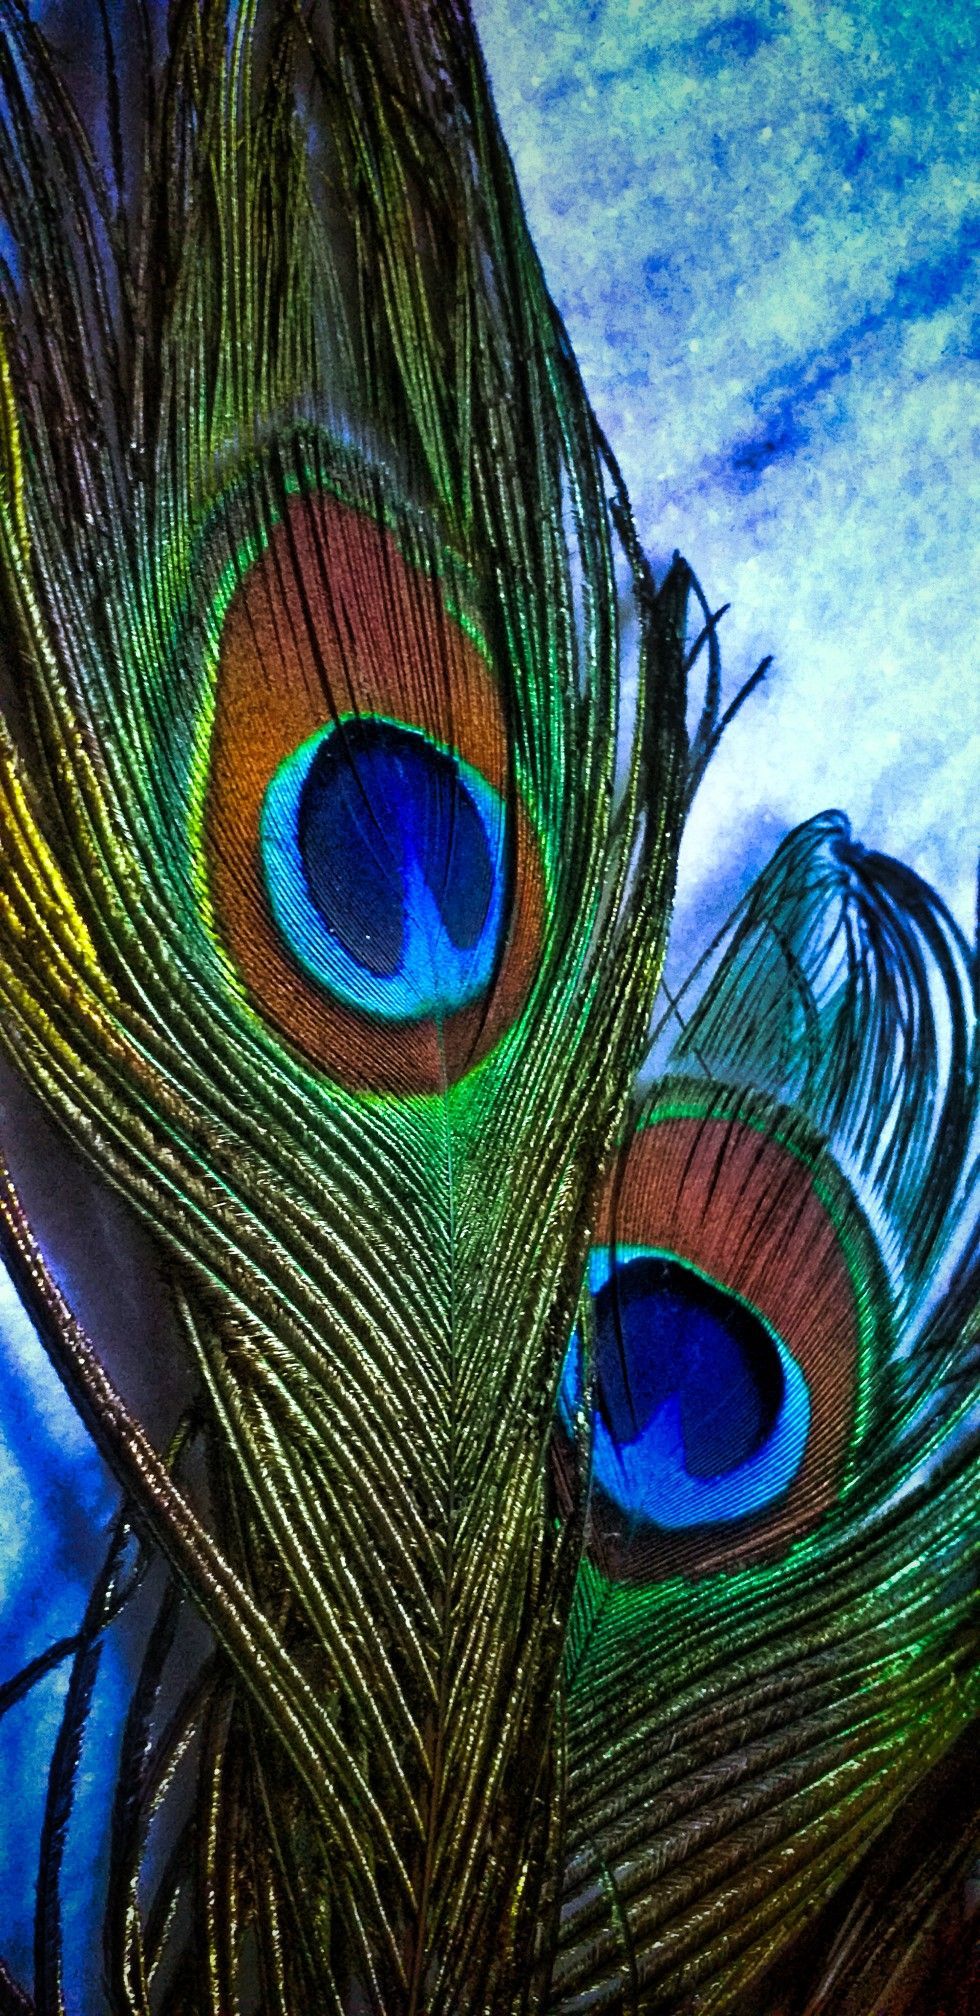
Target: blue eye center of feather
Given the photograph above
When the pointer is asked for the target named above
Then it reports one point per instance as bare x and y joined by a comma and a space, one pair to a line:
702, 1413
382, 854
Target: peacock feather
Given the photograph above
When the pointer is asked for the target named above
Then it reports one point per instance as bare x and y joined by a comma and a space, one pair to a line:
549, 1480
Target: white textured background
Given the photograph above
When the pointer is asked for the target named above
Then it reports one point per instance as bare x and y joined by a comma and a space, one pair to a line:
761, 225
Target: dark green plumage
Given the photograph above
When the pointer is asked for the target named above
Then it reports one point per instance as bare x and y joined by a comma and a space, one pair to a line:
339, 835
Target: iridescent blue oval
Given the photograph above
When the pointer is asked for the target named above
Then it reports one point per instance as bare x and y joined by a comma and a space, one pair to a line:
383, 859
702, 1412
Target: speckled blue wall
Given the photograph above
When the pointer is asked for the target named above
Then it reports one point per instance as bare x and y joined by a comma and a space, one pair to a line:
761, 224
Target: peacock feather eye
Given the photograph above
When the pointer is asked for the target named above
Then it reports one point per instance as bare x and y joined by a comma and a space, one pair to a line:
702, 1411
383, 864
736, 1301
372, 869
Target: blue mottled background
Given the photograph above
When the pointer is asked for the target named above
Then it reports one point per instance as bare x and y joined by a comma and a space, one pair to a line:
761, 224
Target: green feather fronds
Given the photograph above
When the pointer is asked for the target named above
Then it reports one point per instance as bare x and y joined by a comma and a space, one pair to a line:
315, 240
